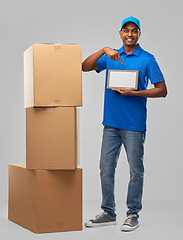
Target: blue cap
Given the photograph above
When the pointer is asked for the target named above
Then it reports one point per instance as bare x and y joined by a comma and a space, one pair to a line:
131, 19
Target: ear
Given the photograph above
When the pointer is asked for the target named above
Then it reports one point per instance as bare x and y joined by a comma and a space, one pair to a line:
120, 33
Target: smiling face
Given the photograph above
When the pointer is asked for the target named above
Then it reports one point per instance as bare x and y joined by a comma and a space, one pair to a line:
130, 34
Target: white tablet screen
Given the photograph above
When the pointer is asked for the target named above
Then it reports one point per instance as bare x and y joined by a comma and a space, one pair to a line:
122, 79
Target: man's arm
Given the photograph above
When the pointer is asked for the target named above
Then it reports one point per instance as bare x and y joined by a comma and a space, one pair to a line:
89, 63
159, 90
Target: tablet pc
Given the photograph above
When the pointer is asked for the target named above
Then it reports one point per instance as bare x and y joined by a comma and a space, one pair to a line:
122, 79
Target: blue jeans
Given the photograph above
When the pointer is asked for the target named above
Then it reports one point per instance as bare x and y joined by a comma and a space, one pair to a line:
133, 142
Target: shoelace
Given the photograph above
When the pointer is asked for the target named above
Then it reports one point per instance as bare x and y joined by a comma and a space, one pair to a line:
97, 217
129, 219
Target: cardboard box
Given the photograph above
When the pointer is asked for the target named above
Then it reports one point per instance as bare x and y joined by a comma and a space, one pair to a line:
52, 138
52, 75
45, 201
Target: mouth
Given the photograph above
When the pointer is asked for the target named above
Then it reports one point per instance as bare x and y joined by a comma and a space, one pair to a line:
129, 39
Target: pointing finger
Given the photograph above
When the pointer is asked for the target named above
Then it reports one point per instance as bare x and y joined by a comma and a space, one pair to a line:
120, 59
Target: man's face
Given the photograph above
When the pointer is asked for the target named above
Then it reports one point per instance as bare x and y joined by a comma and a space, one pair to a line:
130, 34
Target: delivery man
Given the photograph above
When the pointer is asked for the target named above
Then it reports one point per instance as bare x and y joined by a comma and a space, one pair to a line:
124, 121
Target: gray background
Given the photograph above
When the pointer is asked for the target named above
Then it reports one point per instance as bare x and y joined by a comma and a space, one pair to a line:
96, 24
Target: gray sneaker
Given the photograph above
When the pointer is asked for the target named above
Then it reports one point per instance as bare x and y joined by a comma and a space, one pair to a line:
100, 220
130, 223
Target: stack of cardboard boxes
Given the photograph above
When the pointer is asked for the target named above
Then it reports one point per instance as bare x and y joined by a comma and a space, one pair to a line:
45, 194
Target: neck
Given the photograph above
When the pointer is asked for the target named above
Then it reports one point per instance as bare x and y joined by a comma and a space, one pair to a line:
129, 49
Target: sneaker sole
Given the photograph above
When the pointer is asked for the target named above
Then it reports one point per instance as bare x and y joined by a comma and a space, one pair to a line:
90, 224
129, 229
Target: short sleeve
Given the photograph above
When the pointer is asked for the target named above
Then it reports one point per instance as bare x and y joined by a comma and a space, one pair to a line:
101, 63
154, 72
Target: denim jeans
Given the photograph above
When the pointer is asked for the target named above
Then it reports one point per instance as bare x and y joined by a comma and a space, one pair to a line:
133, 142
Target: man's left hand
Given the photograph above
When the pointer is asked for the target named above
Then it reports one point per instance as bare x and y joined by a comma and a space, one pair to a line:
125, 91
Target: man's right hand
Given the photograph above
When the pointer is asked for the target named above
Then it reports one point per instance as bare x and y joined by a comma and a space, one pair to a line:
114, 55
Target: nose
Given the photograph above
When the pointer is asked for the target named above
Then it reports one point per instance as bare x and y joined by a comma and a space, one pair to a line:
130, 33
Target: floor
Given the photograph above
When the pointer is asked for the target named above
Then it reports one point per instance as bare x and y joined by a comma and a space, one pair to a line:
157, 221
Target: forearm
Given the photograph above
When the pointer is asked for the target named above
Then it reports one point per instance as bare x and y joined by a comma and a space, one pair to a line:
151, 93
159, 90
89, 63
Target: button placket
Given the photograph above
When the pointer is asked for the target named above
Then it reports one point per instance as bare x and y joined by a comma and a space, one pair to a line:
125, 62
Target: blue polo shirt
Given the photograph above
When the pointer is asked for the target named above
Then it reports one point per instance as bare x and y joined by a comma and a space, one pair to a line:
127, 112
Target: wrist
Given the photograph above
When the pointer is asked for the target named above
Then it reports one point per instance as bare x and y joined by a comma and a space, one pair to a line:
105, 49
134, 93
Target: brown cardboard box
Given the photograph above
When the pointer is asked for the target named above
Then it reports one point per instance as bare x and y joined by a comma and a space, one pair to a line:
45, 201
52, 138
52, 75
